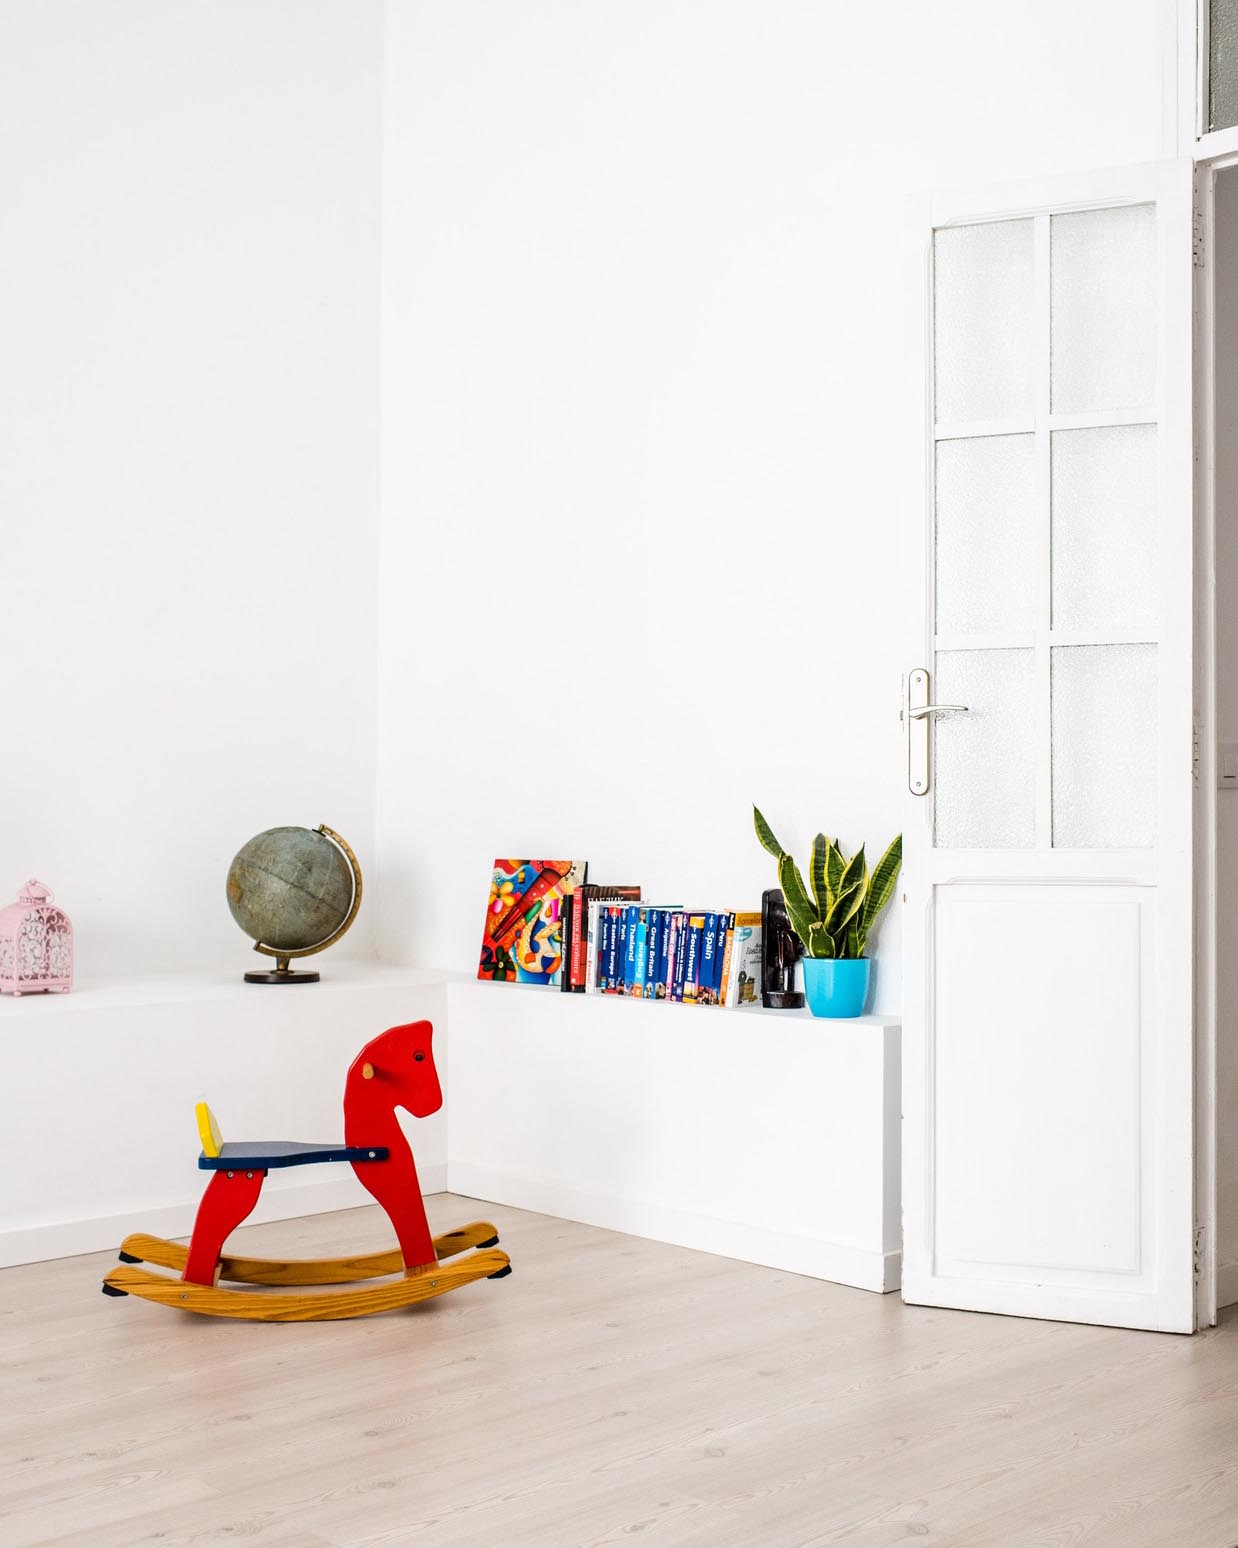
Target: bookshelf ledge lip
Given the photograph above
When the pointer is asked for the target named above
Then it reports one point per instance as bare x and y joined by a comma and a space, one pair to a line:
872, 1019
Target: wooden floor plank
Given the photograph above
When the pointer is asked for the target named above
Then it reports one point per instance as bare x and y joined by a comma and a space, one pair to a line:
610, 1389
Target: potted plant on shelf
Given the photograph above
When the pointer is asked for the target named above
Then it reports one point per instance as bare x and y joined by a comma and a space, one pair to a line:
834, 917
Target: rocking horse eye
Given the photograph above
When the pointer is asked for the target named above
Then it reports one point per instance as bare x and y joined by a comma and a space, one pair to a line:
419, 1057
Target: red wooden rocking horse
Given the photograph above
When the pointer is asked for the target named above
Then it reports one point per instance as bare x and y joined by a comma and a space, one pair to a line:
395, 1070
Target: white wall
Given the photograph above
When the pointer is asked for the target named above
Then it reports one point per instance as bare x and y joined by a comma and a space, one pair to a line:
644, 371
1226, 283
188, 452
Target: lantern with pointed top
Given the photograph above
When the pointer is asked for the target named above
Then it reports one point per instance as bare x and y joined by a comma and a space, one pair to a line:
36, 944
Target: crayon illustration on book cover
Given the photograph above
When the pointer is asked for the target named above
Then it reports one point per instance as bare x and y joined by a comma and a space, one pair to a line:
523, 938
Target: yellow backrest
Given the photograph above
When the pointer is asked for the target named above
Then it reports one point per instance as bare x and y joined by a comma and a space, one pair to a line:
208, 1130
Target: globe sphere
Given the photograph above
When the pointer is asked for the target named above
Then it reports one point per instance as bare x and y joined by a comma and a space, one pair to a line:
290, 888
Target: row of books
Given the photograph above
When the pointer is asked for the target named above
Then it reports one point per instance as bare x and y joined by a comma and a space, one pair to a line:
616, 944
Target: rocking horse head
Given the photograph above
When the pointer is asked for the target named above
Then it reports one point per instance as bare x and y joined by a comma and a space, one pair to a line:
395, 1069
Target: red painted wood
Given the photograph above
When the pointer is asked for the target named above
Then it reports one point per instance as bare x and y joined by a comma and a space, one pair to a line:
229, 1198
404, 1076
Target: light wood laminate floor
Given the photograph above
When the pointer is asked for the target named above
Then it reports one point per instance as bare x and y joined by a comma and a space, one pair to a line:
611, 1391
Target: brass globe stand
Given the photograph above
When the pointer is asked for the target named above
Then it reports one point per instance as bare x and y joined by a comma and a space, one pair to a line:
282, 973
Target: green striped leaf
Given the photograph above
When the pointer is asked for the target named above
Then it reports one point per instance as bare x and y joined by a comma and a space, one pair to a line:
795, 895
820, 942
854, 872
766, 835
820, 891
834, 867
847, 904
853, 941
881, 887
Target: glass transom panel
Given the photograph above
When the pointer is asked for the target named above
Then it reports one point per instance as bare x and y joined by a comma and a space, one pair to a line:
1222, 64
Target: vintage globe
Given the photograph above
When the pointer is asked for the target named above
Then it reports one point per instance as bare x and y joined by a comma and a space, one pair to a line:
293, 891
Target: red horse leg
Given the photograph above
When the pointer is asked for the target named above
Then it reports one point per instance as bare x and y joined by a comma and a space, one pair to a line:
229, 1198
394, 1185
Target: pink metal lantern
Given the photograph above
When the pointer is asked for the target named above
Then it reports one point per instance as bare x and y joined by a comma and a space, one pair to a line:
36, 944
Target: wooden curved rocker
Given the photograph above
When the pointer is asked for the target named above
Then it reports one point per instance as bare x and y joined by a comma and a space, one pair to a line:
395, 1070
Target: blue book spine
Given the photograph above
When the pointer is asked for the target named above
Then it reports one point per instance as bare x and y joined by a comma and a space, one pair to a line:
642, 954
707, 987
610, 949
653, 946
665, 958
631, 932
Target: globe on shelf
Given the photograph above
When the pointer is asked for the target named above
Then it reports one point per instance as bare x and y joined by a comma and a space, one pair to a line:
293, 891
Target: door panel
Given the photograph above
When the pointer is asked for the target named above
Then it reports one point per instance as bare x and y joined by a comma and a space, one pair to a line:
1048, 1040
1017, 1120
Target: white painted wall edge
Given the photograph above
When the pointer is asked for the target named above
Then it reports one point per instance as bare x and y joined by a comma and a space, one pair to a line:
865, 1270
71, 1238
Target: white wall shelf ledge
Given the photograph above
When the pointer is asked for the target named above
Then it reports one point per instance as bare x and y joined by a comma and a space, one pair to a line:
771, 1136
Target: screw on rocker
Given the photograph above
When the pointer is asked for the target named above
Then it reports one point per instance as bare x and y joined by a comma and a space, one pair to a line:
395, 1070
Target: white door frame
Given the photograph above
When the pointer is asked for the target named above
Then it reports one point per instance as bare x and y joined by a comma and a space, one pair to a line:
1176, 1150
1186, 115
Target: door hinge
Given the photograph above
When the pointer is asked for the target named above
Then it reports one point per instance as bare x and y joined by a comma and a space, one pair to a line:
1197, 239
1201, 1238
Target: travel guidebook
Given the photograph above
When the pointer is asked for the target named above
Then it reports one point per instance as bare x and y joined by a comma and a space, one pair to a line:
524, 936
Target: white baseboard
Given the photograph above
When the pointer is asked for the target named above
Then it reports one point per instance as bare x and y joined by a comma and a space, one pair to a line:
69, 1238
865, 1270
1227, 1284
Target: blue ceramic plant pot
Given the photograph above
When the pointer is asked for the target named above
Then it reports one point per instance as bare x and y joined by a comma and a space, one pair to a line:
836, 988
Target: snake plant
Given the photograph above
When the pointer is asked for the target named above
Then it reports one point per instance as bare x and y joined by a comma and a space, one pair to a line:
835, 915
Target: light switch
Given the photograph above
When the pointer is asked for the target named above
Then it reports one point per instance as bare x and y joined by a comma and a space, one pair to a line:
1227, 766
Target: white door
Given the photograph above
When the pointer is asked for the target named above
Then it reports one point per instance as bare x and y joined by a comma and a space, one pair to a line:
1048, 1057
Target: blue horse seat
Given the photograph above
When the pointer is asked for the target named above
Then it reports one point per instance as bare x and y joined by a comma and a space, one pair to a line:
264, 1155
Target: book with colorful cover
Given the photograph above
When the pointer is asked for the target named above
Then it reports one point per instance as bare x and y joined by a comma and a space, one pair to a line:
653, 945
692, 966
726, 944
744, 984
593, 944
523, 936
674, 942
631, 948
621, 953
707, 974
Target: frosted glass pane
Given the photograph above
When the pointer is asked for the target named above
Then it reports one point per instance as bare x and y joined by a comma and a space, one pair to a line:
1103, 289
984, 764
1104, 746
1104, 528
1223, 64
982, 321
987, 520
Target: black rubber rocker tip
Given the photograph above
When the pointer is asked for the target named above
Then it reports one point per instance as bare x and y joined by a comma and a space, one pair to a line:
127, 1257
490, 1241
498, 1273
112, 1290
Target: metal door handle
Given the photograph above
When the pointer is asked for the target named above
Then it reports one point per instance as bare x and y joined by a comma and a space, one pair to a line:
920, 716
